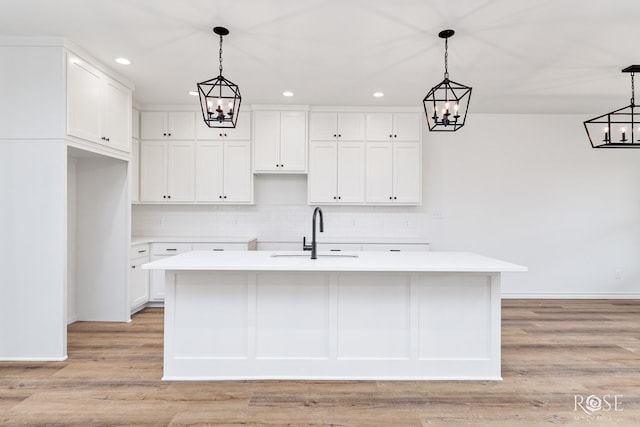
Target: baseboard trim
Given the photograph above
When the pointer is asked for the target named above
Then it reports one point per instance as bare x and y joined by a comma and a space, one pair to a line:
571, 295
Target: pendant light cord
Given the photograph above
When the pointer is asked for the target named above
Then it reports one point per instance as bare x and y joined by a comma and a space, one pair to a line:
633, 90
220, 55
446, 59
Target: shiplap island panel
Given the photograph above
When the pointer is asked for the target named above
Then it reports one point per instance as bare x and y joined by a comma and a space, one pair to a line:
364, 315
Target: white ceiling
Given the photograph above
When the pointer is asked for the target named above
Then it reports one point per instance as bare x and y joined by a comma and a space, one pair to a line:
554, 56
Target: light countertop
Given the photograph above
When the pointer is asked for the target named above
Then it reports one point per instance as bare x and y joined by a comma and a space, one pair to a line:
328, 261
135, 240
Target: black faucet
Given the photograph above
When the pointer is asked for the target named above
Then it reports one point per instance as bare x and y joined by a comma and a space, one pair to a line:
313, 246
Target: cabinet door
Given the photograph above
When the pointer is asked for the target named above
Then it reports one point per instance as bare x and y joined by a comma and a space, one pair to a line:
379, 127
134, 170
153, 125
351, 157
351, 127
83, 100
116, 115
237, 172
209, 171
153, 171
323, 172
181, 125
379, 171
407, 171
139, 283
135, 123
407, 126
242, 131
293, 141
323, 126
180, 173
266, 141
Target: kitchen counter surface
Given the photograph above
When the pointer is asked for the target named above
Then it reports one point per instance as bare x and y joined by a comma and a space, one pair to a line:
327, 261
135, 240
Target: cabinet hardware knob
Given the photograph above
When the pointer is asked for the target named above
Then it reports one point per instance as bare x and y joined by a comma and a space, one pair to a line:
133, 266
169, 134
164, 134
219, 197
339, 197
334, 197
220, 134
334, 135
339, 135
395, 198
164, 197
168, 197
225, 135
281, 165
225, 197
390, 198
390, 136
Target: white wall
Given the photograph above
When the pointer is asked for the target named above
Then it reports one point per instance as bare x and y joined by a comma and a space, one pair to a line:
525, 188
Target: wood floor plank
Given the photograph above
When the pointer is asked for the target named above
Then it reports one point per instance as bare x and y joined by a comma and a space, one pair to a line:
553, 352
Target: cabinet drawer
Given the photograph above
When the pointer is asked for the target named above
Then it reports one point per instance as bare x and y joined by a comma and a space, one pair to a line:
220, 247
169, 248
339, 247
140, 251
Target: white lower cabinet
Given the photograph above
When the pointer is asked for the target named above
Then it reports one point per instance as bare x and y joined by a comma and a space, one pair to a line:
139, 278
336, 172
386, 247
162, 250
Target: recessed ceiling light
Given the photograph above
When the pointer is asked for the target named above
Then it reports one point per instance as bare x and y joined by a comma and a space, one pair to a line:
193, 93
123, 61
378, 94
287, 93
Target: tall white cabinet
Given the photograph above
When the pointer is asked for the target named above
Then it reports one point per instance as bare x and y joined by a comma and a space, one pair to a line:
394, 156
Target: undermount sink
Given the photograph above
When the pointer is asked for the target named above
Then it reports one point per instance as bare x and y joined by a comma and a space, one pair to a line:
308, 255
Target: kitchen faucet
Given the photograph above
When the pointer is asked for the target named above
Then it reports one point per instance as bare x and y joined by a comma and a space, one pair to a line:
313, 246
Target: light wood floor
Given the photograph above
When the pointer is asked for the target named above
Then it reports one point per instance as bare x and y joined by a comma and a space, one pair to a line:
553, 351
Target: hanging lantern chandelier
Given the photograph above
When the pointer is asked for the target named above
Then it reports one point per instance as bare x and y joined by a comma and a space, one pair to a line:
617, 129
219, 98
447, 103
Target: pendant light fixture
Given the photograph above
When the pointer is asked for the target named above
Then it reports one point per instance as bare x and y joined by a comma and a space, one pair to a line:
447, 103
219, 98
619, 128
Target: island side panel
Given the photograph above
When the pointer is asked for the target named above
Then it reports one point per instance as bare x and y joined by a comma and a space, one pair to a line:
327, 325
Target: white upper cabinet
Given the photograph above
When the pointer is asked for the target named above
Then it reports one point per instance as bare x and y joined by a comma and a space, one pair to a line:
242, 131
393, 126
336, 173
135, 123
167, 171
394, 173
280, 142
167, 125
223, 172
337, 126
98, 107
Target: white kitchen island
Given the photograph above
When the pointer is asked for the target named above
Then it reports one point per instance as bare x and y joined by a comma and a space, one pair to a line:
366, 315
